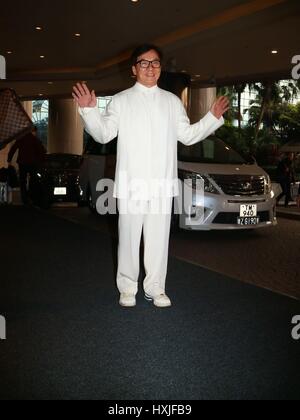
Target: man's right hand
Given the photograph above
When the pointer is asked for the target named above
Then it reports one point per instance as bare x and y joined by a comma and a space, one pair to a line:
83, 97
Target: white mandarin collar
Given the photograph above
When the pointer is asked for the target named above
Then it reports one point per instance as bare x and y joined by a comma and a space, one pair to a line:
145, 89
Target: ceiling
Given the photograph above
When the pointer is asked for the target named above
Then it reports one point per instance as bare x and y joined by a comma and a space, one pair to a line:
214, 42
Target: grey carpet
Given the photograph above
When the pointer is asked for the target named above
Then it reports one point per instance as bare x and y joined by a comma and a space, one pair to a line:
67, 338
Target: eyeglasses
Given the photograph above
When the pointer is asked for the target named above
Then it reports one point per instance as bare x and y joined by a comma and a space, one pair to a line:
145, 64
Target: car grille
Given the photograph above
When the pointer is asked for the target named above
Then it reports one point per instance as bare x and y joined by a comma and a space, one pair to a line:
240, 185
65, 180
231, 218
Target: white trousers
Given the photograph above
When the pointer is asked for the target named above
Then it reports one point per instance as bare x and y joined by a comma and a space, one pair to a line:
153, 218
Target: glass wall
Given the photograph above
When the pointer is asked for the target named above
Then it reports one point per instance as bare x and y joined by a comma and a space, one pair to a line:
249, 95
40, 116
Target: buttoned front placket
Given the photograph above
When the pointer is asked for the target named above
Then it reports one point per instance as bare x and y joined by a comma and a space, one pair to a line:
148, 96
150, 101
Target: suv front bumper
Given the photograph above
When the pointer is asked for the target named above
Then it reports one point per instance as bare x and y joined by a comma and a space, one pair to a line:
221, 212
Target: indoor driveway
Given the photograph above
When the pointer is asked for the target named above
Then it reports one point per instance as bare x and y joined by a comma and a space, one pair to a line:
268, 258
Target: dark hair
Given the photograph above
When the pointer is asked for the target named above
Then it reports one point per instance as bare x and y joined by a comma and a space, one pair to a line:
143, 49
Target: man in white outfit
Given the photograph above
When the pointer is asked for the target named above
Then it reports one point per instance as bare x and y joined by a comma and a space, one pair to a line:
149, 122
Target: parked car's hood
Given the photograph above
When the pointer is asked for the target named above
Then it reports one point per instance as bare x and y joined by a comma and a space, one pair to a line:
54, 171
221, 169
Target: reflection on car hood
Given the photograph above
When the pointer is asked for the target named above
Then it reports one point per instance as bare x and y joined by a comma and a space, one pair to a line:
221, 169
53, 171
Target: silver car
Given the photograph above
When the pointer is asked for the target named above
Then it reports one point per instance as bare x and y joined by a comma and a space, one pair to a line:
237, 194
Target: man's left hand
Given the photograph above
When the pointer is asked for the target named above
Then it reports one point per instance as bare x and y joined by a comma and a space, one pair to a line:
220, 107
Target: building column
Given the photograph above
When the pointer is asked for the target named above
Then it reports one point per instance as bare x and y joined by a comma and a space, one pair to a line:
65, 128
174, 82
27, 105
200, 102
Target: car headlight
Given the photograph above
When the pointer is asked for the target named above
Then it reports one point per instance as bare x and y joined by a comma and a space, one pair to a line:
268, 185
208, 185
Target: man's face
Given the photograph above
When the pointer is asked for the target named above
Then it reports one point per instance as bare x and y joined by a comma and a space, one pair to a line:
147, 76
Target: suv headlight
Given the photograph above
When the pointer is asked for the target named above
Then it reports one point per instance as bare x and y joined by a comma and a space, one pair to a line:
268, 185
208, 185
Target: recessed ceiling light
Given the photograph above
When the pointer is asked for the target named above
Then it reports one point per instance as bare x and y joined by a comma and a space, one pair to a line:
8, 52
78, 35
42, 56
39, 28
274, 52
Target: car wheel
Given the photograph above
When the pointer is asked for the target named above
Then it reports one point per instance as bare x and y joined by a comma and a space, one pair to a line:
81, 204
91, 205
45, 201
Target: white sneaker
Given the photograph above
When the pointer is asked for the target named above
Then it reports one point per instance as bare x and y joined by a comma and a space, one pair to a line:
160, 301
127, 300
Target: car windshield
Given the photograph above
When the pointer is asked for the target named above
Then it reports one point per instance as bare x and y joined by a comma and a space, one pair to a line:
62, 162
94, 148
212, 150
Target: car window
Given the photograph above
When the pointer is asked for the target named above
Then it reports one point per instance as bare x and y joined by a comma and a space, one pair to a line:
91, 147
211, 150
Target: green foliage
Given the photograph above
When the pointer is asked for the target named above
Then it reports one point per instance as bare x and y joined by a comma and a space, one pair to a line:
273, 120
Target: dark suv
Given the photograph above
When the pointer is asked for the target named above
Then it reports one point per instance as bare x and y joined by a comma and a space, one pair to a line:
99, 162
57, 180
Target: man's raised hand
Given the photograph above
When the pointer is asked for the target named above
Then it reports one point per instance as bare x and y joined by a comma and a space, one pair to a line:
83, 96
220, 107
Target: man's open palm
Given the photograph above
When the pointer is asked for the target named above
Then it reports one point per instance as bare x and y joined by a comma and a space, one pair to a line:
83, 96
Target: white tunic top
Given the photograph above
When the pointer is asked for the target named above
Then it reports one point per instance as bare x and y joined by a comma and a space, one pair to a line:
148, 122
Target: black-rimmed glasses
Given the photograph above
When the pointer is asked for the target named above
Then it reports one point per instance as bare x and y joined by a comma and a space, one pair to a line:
145, 64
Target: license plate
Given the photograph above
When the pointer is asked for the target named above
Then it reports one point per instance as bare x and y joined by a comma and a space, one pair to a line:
248, 221
60, 191
248, 210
